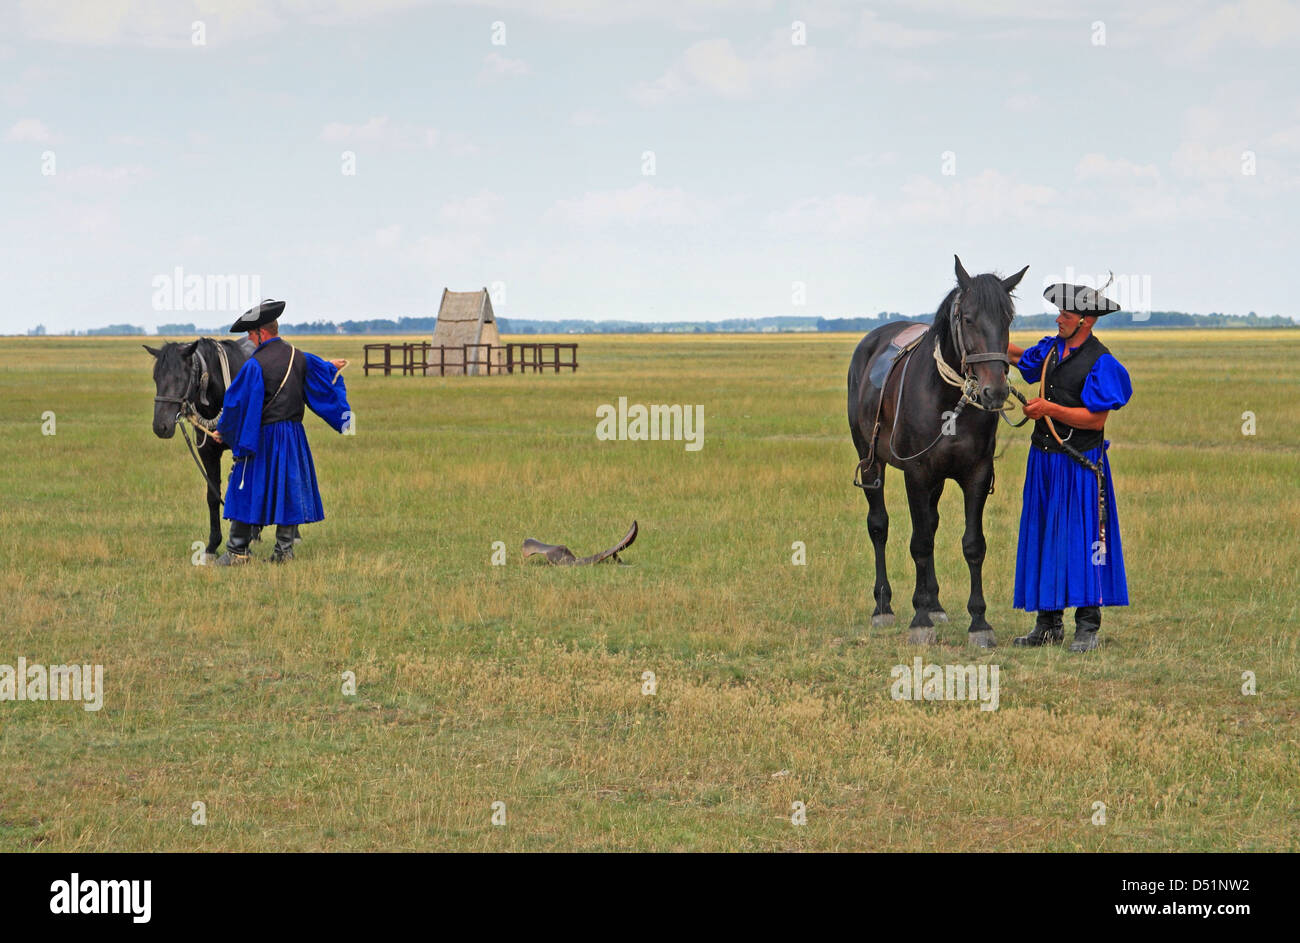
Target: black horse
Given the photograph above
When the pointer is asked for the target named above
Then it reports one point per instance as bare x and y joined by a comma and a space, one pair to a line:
916, 420
192, 377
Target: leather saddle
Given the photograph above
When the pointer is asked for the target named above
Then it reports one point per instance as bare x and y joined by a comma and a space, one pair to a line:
563, 556
903, 340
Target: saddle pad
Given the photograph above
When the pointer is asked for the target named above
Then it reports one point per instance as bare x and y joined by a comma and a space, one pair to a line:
900, 342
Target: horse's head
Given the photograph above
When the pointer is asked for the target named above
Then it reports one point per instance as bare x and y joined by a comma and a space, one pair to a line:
174, 381
980, 327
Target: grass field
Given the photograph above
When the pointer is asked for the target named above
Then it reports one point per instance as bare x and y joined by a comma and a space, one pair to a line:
522, 684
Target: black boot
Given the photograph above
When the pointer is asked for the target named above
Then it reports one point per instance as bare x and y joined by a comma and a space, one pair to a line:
1049, 629
283, 551
237, 545
1087, 622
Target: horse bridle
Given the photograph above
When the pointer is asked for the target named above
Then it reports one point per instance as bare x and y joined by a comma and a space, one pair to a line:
186, 409
966, 380
185, 404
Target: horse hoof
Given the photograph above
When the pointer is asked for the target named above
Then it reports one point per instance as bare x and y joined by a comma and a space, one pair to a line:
922, 635
884, 618
938, 616
983, 638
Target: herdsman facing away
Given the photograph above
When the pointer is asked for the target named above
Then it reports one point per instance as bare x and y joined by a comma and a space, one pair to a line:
1069, 553
273, 479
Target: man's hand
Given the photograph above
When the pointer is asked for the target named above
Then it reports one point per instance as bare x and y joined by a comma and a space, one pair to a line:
1038, 407
215, 436
339, 364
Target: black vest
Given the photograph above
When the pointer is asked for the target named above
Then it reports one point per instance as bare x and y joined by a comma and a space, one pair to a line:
1065, 386
273, 358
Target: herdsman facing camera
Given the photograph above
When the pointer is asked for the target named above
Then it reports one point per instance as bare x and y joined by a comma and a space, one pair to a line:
1069, 554
273, 479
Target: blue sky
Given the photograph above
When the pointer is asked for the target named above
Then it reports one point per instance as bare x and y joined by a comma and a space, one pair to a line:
1159, 141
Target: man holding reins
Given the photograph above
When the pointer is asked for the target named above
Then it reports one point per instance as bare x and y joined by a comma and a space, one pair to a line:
1069, 553
273, 479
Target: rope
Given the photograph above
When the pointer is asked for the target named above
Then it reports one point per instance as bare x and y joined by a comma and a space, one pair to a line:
216, 493
967, 386
1070, 450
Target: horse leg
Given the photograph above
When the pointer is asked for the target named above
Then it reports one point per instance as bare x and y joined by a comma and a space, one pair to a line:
922, 501
878, 528
976, 490
937, 613
212, 468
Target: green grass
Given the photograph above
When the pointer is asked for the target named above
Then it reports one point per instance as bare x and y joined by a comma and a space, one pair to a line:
523, 683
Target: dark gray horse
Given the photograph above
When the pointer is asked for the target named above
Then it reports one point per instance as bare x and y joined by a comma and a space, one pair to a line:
192, 377
908, 415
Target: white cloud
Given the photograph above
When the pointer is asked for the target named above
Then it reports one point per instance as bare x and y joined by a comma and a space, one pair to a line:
1022, 102
388, 237
715, 67
482, 209
1099, 166
444, 252
1266, 23
985, 198
874, 160
497, 66
167, 23
381, 132
873, 31
29, 131
989, 197
95, 175
639, 204
1241, 116
585, 118
840, 215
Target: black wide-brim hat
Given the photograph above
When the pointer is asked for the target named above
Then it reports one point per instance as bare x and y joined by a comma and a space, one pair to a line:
1080, 300
255, 317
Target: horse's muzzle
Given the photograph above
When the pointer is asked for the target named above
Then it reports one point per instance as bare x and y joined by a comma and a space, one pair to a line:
164, 423
994, 397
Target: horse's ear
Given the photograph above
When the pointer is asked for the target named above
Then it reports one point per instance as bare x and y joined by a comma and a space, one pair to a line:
962, 278
151, 350
1012, 281
187, 349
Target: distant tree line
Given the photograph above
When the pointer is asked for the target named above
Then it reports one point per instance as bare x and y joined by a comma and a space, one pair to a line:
783, 324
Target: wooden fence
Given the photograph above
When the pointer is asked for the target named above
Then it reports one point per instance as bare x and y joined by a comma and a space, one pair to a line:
425, 359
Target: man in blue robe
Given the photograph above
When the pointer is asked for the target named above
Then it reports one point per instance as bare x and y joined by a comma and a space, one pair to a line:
1066, 557
273, 480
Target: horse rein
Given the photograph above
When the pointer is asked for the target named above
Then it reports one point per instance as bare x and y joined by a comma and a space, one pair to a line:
965, 381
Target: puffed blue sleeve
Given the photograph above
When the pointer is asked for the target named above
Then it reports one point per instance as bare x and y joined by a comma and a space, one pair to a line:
241, 410
1031, 361
1107, 386
327, 397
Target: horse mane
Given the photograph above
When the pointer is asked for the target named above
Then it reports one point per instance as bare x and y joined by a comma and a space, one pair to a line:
988, 294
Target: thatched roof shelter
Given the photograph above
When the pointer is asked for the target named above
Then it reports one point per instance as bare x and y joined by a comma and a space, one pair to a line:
465, 317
